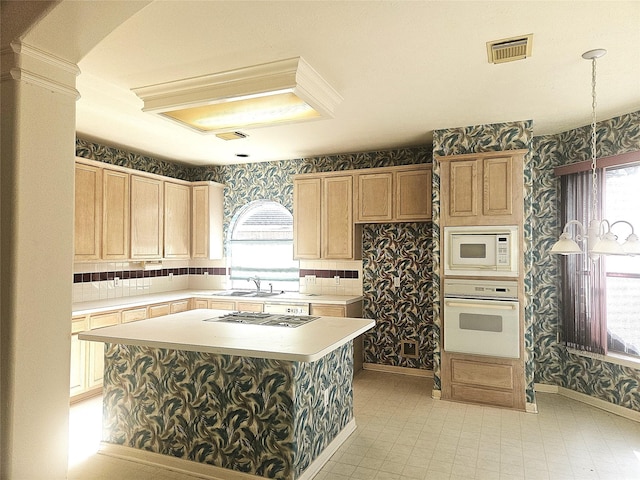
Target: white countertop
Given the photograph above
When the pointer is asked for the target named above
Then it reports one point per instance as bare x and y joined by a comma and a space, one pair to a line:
85, 308
188, 331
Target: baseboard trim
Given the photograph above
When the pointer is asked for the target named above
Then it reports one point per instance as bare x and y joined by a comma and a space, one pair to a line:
589, 400
415, 372
211, 472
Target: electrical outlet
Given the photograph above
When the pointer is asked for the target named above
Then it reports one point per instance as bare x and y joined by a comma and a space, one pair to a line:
205, 273
310, 279
116, 281
336, 279
171, 277
396, 281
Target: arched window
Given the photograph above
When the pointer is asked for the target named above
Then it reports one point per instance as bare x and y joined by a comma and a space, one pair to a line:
261, 244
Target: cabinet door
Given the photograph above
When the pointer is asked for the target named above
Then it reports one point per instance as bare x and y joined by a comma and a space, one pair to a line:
222, 305
146, 218
327, 310
337, 217
207, 219
177, 212
88, 212
200, 303
78, 373
115, 215
374, 197
413, 195
497, 186
307, 198
463, 188
96, 349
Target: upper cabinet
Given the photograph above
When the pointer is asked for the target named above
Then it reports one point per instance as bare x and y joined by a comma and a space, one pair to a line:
482, 188
207, 220
177, 220
323, 218
393, 194
87, 212
307, 220
146, 218
124, 214
115, 215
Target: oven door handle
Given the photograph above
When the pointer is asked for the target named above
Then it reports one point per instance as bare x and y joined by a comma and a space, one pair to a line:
493, 306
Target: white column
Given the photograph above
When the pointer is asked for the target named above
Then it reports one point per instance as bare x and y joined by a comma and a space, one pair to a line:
36, 255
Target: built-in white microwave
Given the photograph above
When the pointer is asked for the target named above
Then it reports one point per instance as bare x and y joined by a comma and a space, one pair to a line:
481, 251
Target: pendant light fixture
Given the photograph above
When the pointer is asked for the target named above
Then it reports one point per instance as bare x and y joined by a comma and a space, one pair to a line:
600, 239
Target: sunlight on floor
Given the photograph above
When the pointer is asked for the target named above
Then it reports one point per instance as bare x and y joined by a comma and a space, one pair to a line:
85, 429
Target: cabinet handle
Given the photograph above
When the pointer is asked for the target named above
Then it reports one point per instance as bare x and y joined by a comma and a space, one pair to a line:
481, 305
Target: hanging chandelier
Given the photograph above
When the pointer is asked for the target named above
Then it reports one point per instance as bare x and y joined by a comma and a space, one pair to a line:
599, 237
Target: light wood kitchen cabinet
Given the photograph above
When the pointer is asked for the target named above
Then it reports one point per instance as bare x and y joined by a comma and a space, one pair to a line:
207, 220
159, 310
353, 310
147, 214
96, 349
177, 220
134, 314
200, 303
483, 380
413, 194
115, 215
374, 194
337, 219
78, 374
179, 306
393, 194
482, 189
249, 306
88, 212
222, 305
307, 220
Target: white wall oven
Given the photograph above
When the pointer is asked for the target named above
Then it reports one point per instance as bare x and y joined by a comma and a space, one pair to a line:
481, 251
481, 317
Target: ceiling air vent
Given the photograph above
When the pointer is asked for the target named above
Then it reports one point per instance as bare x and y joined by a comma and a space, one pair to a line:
510, 49
231, 135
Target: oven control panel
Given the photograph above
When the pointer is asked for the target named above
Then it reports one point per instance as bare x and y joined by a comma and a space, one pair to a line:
498, 289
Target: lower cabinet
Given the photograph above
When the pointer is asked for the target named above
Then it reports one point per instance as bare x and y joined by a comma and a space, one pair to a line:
96, 349
351, 310
87, 358
483, 380
78, 374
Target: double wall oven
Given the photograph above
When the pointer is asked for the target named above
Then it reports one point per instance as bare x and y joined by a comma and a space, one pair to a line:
481, 315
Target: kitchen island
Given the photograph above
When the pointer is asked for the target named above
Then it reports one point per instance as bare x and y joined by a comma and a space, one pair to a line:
228, 400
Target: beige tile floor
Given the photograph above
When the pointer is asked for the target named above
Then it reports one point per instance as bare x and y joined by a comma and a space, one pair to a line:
403, 434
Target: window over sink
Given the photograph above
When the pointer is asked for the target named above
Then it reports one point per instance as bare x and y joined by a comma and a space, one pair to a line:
260, 243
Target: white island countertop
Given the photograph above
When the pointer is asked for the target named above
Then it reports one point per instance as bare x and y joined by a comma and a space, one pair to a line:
189, 331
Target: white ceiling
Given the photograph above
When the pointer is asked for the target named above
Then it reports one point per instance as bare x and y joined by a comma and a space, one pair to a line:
404, 69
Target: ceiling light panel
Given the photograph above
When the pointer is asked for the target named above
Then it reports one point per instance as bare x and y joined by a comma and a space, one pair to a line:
278, 92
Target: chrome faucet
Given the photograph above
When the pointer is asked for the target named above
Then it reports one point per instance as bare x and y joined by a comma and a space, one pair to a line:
256, 280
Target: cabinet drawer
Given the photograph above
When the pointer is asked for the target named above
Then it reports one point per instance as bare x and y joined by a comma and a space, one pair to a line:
485, 374
481, 395
249, 307
104, 320
78, 324
200, 303
222, 305
159, 310
134, 314
180, 306
328, 310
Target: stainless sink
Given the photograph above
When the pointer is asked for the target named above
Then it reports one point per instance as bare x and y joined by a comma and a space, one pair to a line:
262, 294
233, 293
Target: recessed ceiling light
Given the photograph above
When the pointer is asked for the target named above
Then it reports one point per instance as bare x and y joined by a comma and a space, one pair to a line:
272, 93
242, 155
